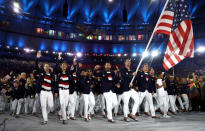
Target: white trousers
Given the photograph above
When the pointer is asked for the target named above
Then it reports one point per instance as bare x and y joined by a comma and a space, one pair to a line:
111, 102
81, 105
148, 97
102, 103
16, 105
2, 102
89, 103
172, 102
119, 98
72, 104
126, 97
146, 104
180, 102
77, 103
36, 104
28, 104
186, 101
175, 98
163, 105
46, 100
64, 98
135, 97
98, 103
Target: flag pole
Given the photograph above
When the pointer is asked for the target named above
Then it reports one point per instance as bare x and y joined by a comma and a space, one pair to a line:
150, 40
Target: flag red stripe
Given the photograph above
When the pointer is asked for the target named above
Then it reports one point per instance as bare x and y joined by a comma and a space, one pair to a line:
177, 57
189, 54
169, 59
165, 24
186, 36
170, 46
165, 66
176, 40
181, 41
181, 31
163, 32
167, 17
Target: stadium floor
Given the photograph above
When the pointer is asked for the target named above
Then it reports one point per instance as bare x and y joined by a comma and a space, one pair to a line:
193, 121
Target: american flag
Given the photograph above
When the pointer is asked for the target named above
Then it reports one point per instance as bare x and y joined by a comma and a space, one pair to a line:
176, 22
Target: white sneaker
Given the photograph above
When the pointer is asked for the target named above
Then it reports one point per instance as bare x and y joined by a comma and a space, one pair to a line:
166, 116
89, 117
68, 117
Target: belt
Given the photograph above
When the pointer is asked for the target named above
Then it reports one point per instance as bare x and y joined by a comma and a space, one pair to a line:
46, 90
64, 88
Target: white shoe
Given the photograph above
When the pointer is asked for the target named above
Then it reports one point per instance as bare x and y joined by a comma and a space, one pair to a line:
89, 117
166, 116
68, 117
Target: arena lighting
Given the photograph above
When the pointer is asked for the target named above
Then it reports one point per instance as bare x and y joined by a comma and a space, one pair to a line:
134, 54
69, 54
119, 55
16, 7
155, 53
79, 54
32, 50
145, 54
26, 50
110, 0
16, 48
201, 49
46, 52
8, 47
125, 54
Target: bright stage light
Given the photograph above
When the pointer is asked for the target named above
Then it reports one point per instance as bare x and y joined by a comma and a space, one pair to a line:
16, 10
70, 54
134, 54
155, 53
201, 49
79, 54
27, 50
145, 54
119, 55
16, 7
16, 4
110, 0
32, 50
125, 54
